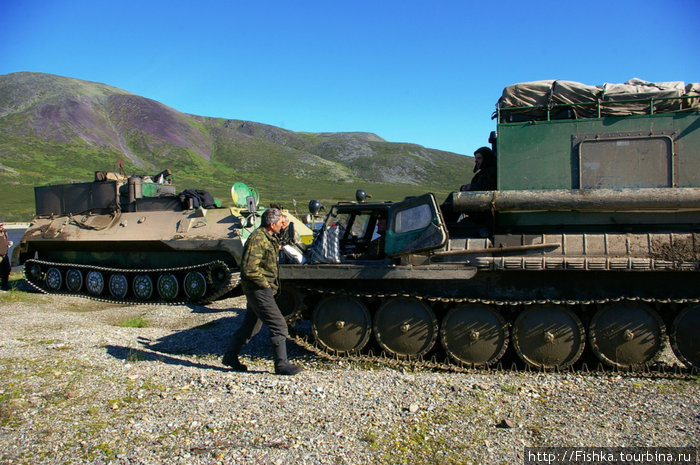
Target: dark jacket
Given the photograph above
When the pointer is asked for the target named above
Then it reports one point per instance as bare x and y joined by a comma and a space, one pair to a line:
485, 178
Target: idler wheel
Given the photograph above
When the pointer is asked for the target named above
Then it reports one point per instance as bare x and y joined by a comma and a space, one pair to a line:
405, 327
34, 272
118, 286
626, 335
74, 279
684, 336
95, 282
219, 275
53, 279
548, 337
195, 285
168, 286
341, 324
143, 287
474, 334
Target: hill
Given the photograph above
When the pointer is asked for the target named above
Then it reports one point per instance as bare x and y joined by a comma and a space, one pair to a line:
56, 129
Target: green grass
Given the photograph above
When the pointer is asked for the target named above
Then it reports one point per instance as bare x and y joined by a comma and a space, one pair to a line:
510, 388
135, 356
11, 404
87, 306
280, 172
17, 203
57, 384
426, 439
15, 295
134, 322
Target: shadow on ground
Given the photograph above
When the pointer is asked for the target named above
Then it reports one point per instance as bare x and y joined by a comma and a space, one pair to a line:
206, 341
20, 284
130, 354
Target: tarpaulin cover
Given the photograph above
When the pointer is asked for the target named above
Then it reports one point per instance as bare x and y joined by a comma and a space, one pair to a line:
614, 99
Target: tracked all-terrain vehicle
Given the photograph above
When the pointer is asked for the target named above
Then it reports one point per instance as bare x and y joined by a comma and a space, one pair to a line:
591, 242
137, 240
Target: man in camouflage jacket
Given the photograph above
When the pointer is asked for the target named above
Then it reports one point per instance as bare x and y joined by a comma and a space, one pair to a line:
5, 245
260, 282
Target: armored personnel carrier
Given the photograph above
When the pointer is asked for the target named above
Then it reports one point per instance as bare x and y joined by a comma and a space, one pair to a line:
136, 239
591, 242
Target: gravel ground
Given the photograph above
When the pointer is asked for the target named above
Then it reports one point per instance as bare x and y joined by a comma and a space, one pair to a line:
77, 386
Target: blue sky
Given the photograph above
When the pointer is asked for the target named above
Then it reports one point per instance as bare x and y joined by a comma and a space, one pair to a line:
428, 73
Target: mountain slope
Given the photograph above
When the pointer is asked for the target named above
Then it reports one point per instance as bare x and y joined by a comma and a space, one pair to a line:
56, 129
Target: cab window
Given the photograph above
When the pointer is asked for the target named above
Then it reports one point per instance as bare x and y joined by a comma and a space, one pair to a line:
415, 225
359, 225
411, 219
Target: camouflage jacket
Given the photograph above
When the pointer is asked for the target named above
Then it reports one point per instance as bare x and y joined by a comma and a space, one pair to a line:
259, 265
4, 243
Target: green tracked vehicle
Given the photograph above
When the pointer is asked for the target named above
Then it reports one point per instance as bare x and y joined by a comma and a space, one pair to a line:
137, 240
590, 243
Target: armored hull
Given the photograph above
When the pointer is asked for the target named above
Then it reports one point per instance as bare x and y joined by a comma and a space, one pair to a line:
588, 249
132, 241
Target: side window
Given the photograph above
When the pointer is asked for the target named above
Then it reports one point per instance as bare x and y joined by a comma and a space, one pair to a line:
357, 223
359, 226
337, 218
410, 219
415, 225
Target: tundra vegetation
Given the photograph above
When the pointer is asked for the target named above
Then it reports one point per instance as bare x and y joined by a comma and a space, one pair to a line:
57, 130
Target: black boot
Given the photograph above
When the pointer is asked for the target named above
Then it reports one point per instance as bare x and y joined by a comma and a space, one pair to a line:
231, 360
282, 365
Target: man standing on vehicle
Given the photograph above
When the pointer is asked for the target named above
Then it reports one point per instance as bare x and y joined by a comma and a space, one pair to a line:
259, 280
